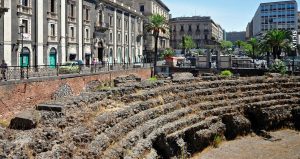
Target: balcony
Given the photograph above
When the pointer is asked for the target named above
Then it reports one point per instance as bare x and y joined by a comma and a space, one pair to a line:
52, 15
101, 27
71, 19
72, 40
3, 8
87, 40
86, 22
24, 9
52, 38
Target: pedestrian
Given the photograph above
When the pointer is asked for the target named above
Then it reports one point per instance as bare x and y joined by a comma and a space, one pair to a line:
3, 70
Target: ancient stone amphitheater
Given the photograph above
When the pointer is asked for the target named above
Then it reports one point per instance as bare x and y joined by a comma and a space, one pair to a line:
153, 119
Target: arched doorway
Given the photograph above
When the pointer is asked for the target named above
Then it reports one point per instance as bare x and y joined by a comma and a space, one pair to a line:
100, 50
133, 58
119, 55
52, 58
25, 57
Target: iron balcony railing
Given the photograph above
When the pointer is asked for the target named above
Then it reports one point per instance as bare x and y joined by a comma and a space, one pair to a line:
31, 72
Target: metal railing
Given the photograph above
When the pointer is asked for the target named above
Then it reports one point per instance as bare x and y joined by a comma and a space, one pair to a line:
31, 72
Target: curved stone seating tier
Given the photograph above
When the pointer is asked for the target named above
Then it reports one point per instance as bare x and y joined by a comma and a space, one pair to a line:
162, 120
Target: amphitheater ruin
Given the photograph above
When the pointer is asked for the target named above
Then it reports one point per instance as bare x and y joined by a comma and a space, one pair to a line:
167, 118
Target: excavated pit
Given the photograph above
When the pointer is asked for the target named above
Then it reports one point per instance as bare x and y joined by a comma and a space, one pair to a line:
156, 119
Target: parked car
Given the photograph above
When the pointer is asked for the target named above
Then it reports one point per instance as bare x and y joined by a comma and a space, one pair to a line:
71, 67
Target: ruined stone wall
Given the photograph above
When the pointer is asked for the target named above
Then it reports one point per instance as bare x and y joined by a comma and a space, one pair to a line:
16, 96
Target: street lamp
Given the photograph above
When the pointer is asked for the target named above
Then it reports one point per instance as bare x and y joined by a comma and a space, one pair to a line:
22, 26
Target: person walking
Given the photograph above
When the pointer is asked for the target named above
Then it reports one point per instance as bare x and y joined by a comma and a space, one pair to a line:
3, 70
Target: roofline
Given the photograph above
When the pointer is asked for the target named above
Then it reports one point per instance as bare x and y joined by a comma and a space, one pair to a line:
279, 2
163, 5
124, 7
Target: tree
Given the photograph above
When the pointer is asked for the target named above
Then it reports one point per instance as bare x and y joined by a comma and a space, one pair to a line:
238, 43
254, 44
157, 24
264, 47
187, 43
226, 46
278, 40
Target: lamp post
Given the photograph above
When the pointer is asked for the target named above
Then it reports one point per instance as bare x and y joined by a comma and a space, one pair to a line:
21, 54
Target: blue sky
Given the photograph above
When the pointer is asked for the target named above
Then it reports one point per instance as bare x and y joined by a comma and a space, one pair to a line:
232, 15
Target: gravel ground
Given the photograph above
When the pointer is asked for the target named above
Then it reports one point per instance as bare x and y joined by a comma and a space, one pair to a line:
255, 147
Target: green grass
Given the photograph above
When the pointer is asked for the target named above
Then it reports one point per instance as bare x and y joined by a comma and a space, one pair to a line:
153, 79
217, 141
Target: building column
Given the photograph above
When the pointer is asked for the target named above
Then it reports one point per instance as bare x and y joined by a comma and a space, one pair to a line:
7, 54
63, 32
40, 31
80, 28
115, 37
123, 36
129, 39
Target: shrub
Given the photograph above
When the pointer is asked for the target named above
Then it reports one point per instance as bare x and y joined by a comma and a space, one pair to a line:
4, 123
226, 73
278, 67
167, 53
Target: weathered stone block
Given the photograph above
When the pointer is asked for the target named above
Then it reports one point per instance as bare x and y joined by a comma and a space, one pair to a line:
48, 107
25, 120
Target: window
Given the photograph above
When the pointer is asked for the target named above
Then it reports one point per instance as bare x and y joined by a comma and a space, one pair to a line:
110, 21
24, 2
119, 37
52, 29
142, 8
25, 23
72, 32
111, 37
100, 16
87, 33
132, 39
132, 27
119, 23
52, 6
126, 25
126, 38
181, 29
72, 10
190, 27
87, 14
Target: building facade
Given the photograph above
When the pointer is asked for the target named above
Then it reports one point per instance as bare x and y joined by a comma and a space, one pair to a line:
274, 15
203, 30
56, 31
148, 8
235, 36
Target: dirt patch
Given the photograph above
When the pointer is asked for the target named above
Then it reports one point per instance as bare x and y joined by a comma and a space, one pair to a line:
288, 147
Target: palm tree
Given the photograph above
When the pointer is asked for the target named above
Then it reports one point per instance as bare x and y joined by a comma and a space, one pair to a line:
278, 40
157, 24
238, 43
264, 47
254, 44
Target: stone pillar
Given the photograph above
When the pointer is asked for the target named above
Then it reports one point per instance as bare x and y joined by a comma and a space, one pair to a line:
63, 38
40, 32
80, 28
8, 35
